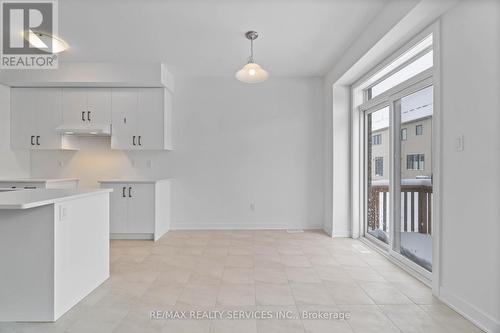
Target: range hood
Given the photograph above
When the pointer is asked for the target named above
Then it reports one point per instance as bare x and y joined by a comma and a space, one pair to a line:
79, 130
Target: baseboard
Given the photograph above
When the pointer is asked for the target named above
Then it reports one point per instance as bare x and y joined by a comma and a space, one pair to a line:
341, 233
243, 226
131, 236
469, 311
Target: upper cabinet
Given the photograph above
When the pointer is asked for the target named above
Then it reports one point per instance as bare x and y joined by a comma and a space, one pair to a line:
36, 112
141, 119
86, 106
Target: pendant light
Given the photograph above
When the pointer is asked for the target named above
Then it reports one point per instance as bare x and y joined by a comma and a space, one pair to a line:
252, 72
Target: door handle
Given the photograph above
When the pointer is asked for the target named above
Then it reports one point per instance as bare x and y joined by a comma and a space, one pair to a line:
88, 116
38, 140
140, 143
123, 192
130, 192
32, 138
133, 140
83, 115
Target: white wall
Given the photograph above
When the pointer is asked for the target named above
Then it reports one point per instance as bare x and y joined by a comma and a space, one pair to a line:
470, 256
234, 144
12, 163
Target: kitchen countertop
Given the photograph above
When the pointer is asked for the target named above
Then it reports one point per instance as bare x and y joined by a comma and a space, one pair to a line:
133, 181
36, 180
24, 199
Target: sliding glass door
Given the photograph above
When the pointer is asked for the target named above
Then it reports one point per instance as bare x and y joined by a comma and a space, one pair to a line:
413, 119
398, 174
377, 141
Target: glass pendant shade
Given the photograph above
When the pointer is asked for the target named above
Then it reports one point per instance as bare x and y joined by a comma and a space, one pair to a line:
252, 73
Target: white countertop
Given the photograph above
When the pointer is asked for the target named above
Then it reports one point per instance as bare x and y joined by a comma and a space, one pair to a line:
24, 199
36, 180
133, 181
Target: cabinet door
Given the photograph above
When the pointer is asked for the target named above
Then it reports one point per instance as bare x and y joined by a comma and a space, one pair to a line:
23, 125
118, 208
151, 121
74, 104
141, 208
99, 106
48, 116
124, 111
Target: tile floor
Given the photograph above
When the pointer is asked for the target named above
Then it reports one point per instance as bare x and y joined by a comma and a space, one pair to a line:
265, 271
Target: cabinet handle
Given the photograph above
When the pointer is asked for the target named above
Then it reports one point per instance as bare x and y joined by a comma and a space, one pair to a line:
88, 116
83, 115
38, 140
32, 138
133, 140
140, 143
123, 192
30, 187
130, 192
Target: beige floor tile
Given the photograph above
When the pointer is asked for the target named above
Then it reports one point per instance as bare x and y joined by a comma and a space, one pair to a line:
162, 295
186, 326
384, 293
450, 319
174, 275
233, 326
326, 326
236, 295
295, 261
280, 326
348, 294
368, 319
238, 275
273, 294
302, 275
270, 275
198, 295
248, 271
241, 261
311, 293
412, 319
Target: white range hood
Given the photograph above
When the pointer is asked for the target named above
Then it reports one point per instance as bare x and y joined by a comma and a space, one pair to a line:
79, 130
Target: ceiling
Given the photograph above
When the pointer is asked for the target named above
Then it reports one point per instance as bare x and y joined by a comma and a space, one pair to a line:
205, 37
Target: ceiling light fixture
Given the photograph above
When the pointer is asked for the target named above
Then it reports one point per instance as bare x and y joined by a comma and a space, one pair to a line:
252, 72
42, 40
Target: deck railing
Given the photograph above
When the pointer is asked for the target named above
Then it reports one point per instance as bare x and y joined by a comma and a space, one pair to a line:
416, 206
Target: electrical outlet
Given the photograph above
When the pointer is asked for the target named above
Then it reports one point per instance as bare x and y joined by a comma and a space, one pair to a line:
63, 213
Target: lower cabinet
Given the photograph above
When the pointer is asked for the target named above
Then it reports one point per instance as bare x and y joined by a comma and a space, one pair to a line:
139, 209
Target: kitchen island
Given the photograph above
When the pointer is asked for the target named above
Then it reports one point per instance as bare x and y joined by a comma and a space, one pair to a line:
54, 250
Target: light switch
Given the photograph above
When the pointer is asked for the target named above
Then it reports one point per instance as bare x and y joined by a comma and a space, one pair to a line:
459, 143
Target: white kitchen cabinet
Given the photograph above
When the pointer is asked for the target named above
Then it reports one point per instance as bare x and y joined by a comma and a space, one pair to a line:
86, 106
140, 209
141, 118
35, 113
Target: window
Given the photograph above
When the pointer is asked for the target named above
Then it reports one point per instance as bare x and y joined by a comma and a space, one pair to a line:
377, 139
416, 60
419, 129
404, 134
379, 166
415, 162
